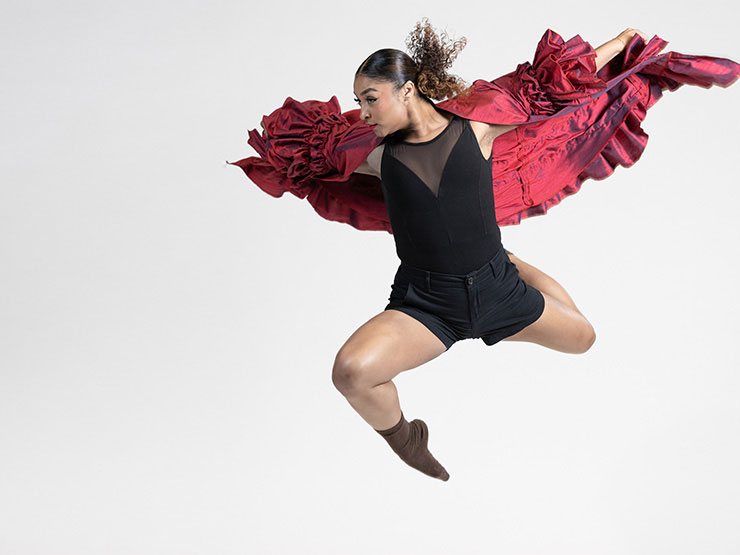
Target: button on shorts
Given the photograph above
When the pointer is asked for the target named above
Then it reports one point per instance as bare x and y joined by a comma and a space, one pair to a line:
490, 303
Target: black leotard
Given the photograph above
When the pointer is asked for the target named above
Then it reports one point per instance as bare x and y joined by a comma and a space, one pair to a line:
439, 196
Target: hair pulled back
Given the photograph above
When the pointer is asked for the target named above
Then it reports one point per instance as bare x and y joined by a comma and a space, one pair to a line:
426, 67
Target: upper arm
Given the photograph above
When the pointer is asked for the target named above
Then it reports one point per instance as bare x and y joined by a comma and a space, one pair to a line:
486, 133
494, 130
371, 165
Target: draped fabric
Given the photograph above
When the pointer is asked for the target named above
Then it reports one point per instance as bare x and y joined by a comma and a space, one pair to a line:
573, 124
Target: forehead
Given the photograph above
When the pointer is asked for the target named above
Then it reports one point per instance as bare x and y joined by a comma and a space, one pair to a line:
362, 83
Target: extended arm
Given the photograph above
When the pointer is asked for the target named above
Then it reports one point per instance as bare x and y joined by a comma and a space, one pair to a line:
611, 48
607, 51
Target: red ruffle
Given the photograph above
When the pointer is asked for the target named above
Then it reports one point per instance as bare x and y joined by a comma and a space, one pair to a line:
537, 166
561, 74
541, 164
573, 124
311, 150
299, 138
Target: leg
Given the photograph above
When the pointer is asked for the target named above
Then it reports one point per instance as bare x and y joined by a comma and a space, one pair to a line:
387, 344
541, 281
562, 326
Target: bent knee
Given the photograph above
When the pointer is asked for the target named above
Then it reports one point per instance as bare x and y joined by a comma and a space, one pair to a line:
350, 373
588, 337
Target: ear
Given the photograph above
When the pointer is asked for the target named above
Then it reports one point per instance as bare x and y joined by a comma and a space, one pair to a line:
407, 90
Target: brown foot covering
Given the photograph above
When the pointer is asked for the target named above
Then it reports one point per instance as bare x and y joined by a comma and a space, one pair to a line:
409, 441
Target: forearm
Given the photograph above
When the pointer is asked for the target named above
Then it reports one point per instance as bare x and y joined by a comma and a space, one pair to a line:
607, 51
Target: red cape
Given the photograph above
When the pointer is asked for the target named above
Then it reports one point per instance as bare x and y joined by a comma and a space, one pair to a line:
573, 124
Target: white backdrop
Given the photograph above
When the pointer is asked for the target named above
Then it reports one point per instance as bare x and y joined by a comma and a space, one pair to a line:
168, 329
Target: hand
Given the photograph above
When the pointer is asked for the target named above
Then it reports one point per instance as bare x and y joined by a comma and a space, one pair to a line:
626, 36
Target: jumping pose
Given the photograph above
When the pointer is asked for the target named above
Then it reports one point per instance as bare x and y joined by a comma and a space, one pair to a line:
442, 181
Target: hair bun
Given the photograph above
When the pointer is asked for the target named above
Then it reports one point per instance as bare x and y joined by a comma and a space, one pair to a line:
433, 55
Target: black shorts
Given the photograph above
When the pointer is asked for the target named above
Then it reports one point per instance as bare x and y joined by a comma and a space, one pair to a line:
492, 302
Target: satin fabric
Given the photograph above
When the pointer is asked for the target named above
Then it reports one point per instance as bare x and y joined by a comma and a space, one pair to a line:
573, 124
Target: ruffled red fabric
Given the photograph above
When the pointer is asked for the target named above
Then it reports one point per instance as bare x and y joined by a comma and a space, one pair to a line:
310, 149
537, 165
573, 124
562, 73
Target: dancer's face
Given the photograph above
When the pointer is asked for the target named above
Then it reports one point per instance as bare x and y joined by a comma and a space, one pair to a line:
381, 106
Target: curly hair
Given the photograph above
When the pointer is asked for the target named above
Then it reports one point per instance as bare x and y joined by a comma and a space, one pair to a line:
433, 55
426, 67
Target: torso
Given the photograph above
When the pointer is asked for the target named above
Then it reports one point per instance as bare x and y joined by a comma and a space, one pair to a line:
439, 197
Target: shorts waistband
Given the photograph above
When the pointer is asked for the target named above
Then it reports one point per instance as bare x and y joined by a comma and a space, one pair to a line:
488, 268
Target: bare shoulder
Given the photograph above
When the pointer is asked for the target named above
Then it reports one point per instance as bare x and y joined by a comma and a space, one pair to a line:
375, 157
371, 165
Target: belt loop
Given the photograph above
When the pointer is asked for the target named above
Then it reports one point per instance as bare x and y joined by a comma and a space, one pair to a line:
493, 268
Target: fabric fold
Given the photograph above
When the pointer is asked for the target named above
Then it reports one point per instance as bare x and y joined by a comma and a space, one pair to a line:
573, 124
561, 74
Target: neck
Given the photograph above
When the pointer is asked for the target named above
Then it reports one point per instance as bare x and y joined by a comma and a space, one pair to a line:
424, 120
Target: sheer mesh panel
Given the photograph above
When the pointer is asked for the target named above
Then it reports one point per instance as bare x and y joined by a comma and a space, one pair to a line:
427, 160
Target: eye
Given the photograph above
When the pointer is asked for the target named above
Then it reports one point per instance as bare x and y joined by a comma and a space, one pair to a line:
370, 99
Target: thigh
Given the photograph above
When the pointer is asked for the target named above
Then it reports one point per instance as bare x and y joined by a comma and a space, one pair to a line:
388, 344
559, 327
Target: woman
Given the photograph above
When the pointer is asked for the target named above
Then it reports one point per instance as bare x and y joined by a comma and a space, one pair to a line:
435, 165
522, 303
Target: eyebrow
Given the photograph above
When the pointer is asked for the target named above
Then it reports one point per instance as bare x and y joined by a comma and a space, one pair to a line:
368, 90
